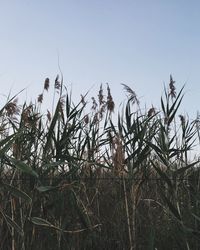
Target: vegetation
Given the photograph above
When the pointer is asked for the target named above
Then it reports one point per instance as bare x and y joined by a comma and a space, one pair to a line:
78, 179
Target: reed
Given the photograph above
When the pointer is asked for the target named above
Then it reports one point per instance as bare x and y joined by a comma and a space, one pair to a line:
78, 178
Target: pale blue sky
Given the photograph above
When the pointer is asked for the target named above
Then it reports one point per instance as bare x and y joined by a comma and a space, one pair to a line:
139, 43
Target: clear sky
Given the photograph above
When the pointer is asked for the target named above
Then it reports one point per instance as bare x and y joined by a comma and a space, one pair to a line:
139, 43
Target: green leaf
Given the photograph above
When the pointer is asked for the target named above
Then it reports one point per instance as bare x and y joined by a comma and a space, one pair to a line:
83, 216
12, 223
162, 175
41, 222
175, 111
151, 240
6, 143
171, 207
23, 167
45, 188
196, 217
50, 166
51, 128
16, 192
175, 102
128, 115
183, 169
163, 106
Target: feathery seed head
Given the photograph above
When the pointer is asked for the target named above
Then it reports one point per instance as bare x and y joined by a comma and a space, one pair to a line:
83, 100
46, 84
101, 97
131, 94
182, 118
40, 98
110, 102
86, 119
12, 108
151, 112
172, 89
94, 104
57, 83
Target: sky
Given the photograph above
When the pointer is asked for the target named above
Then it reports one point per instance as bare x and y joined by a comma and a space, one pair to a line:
135, 42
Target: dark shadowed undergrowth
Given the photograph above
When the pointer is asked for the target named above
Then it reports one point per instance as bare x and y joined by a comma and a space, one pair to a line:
78, 178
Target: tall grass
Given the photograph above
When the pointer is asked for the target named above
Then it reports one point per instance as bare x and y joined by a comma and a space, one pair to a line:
75, 178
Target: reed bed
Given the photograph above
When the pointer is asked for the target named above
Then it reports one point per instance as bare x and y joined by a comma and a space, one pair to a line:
78, 178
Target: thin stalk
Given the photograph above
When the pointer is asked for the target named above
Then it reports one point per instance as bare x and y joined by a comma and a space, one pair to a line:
127, 215
12, 213
12, 229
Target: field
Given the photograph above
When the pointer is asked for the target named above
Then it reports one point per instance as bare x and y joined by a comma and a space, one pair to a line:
77, 177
